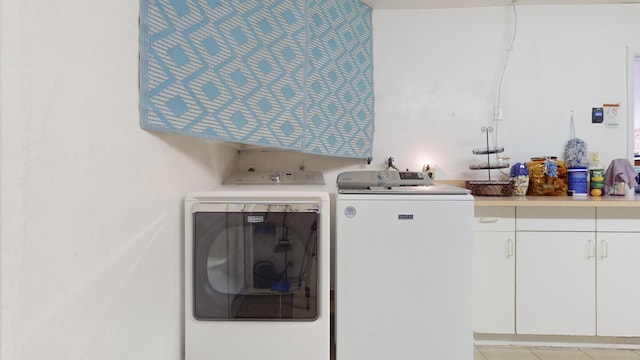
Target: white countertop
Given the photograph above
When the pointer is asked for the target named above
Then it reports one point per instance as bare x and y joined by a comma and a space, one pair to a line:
554, 201
559, 201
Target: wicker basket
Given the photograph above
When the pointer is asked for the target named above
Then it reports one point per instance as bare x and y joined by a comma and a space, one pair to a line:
490, 187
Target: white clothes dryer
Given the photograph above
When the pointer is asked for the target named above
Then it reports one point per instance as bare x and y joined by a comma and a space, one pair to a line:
257, 268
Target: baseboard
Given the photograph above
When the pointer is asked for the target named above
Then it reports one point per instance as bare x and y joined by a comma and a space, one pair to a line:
608, 342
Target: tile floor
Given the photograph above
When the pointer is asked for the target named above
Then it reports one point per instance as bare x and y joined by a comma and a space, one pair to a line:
490, 352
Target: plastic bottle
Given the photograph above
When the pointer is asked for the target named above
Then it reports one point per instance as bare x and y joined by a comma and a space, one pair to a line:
596, 177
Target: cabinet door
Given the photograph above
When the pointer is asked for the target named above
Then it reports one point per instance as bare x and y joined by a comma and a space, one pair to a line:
340, 99
494, 282
618, 293
555, 277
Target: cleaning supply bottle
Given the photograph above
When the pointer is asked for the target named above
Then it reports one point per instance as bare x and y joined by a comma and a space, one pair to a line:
596, 176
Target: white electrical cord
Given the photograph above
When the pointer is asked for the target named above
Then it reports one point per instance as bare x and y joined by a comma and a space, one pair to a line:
497, 111
506, 59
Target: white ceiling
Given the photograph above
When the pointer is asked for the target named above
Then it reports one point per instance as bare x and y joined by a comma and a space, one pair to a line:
441, 4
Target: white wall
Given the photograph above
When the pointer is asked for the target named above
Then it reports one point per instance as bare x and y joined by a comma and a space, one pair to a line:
91, 205
436, 75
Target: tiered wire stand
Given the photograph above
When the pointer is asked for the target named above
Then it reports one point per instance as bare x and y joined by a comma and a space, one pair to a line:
489, 187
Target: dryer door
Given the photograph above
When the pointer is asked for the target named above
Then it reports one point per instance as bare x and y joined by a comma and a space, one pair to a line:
255, 262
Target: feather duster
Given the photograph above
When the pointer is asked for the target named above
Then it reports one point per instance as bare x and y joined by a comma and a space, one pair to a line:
575, 152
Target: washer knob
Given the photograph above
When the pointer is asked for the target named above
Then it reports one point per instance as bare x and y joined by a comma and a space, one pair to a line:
275, 177
383, 175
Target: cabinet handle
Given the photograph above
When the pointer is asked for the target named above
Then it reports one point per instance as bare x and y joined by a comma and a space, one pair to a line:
604, 249
592, 249
485, 220
509, 248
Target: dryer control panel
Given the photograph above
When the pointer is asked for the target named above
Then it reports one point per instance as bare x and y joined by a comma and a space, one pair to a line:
276, 178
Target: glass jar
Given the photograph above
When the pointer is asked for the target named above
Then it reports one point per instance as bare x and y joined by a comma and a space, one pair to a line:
519, 174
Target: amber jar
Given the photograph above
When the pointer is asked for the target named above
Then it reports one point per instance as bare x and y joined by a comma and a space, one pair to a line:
548, 176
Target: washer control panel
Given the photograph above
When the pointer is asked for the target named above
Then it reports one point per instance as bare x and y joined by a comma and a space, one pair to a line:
383, 178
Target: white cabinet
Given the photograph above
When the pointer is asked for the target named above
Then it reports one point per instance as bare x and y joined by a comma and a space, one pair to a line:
494, 270
618, 265
556, 271
294, 75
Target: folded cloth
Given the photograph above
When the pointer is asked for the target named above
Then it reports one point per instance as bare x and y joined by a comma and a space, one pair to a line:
619, 170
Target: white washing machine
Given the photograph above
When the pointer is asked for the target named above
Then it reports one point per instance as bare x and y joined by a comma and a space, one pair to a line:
257, 269
403, 268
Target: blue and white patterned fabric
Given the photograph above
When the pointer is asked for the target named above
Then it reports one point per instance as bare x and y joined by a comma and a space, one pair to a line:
289, 74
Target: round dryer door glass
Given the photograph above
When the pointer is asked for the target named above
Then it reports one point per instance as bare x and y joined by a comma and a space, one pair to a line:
255, 265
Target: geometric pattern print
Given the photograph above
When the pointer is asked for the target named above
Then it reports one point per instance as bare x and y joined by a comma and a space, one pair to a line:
232, 70
340, 84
